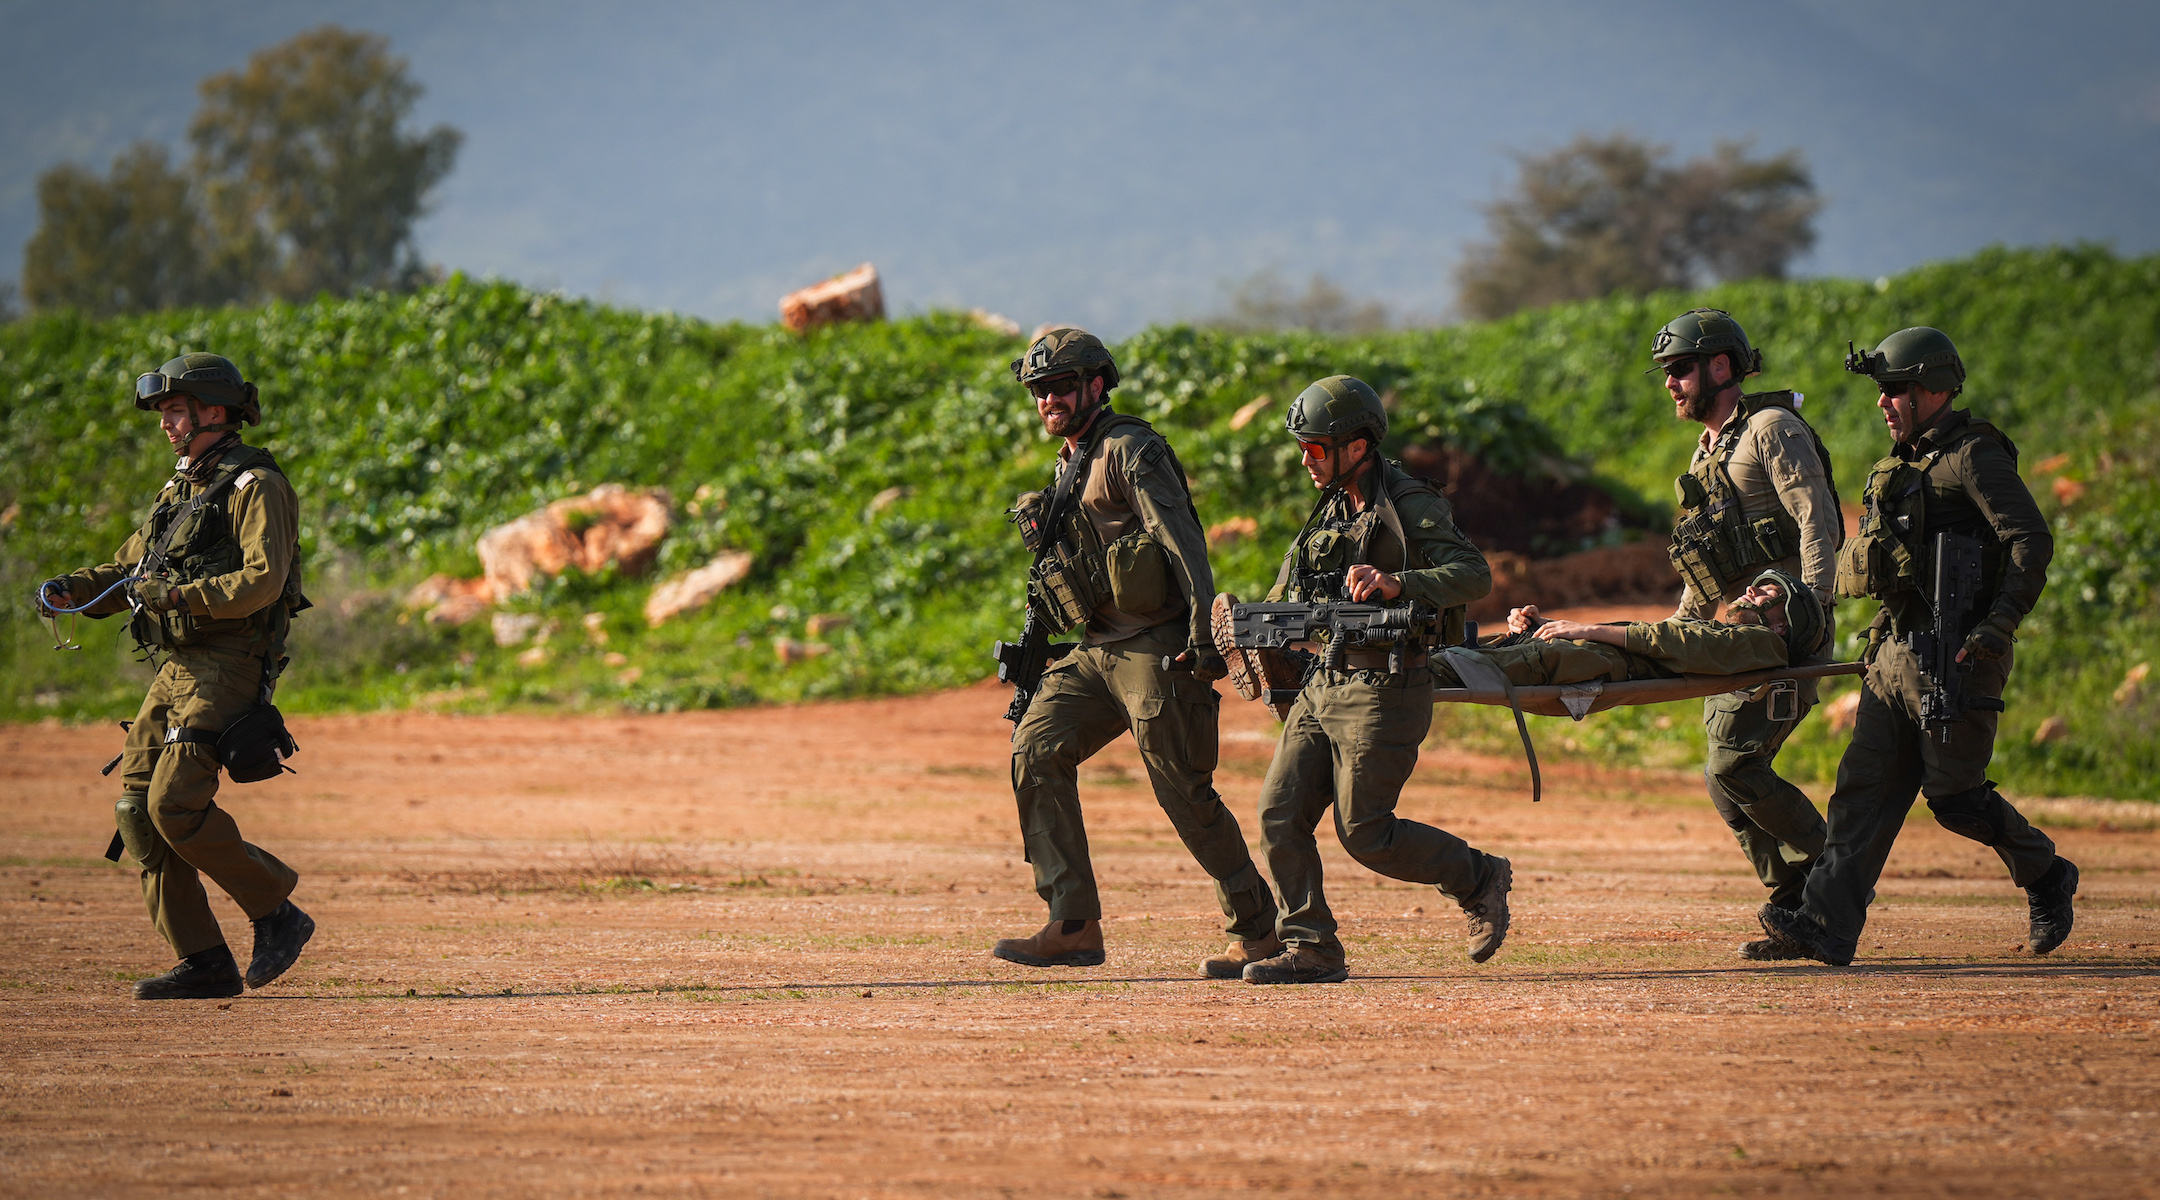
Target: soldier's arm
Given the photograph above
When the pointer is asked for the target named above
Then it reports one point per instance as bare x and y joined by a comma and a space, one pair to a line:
1458, 572
1991, 479
1706, 647
1694, 606
1788, 455
1165, 508
88, 582
266, 519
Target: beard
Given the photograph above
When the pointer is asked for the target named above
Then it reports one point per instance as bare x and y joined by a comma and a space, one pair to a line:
1068, 423
1698, 406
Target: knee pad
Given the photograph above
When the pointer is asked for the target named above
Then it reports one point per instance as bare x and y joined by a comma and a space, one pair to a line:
1975, 813
137, 831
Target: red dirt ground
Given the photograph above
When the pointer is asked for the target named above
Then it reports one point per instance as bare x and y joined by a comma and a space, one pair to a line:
744, 953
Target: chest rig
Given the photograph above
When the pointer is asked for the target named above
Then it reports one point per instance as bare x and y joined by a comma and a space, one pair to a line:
1336, 539
1714, 545
1888, 557
191, 537
1074, 570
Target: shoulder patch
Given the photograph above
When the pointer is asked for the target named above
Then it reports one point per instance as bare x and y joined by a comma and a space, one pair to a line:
246, 478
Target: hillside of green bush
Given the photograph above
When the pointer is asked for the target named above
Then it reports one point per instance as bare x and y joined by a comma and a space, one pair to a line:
409, 424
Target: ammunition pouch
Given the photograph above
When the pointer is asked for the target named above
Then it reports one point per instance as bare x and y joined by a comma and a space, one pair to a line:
1139, 574
1071, 581
1884, 558
1714, 546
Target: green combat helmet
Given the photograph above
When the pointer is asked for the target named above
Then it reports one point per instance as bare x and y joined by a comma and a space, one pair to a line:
208, 379
1337, 408
1918, 355
1701, 333
1804, 626
1066, 351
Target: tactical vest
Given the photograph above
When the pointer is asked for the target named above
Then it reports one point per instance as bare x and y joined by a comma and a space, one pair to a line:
1889, 556
1078, 573
1714, 545
204, 546
1327, 550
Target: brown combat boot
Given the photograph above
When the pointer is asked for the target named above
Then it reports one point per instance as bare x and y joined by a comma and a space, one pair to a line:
1230, 964
1487, 911
1298, 964
1058, 944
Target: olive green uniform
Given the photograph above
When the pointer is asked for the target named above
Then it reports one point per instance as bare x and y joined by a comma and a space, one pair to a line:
1113, 683
1766, 463
1971, 487
1655, 650
236, 565
1352, 737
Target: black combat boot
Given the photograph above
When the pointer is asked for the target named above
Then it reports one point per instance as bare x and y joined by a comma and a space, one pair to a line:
1800, 935
2049, 902
204, 975
278, 939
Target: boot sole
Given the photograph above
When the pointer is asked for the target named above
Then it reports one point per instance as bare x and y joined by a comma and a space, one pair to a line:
218, 993
1078, 958
307, 934
1337, 975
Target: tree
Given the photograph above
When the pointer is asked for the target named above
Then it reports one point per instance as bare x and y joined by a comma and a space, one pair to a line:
1616, 215
309, 182
1262, 301
125, 243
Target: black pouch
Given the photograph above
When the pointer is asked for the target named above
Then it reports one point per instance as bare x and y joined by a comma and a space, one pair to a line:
255, 746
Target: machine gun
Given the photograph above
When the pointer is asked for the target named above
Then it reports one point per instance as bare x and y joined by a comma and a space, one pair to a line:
1953, 591
1399, 629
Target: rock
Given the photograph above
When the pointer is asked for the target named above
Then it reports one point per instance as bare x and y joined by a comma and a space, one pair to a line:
697, 588
611, 523
2051, 464
535, 657
1250, 409
2054, 729
1234, 530
615, 658
887, 498
448, 599
821, 624
790, 651
994, 322
853, 296
2067, 490
512, 629
626, 678
2132, 688
457, 609
1842, 712
595, 628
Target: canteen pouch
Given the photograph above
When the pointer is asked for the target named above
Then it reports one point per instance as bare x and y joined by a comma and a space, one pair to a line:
1139, 571
1882, 558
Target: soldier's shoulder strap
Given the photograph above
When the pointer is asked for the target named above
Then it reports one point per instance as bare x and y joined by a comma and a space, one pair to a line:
1975, 428
1790, 401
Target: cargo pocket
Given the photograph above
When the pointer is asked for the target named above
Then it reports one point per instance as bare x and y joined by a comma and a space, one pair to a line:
1180, 726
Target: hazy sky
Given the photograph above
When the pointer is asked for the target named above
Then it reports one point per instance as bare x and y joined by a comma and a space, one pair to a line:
1116, 163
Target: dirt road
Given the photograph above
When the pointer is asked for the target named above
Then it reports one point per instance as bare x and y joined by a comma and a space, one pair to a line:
743, 953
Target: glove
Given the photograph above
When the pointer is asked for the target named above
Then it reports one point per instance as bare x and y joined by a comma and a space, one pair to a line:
54, 589
1207, 662
158, 595
1988, 642
1877, 634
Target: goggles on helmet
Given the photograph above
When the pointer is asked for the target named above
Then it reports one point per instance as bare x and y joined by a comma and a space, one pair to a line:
156, 385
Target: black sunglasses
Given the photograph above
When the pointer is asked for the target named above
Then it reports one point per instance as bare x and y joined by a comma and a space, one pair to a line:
1894, 389
1681, 369
1064, 385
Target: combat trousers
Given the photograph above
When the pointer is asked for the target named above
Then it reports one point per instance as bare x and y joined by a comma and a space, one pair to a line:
1776, 824
1351, 740
168, 814
1888, 764
1091, 696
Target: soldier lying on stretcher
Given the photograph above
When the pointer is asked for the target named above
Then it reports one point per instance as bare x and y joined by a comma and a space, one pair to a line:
1776, 622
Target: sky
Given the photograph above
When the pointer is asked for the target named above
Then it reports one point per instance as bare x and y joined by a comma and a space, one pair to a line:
1119, 164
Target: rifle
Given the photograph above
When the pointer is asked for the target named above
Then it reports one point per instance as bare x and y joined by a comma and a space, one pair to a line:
1349, 625
1022, 663
1953, 591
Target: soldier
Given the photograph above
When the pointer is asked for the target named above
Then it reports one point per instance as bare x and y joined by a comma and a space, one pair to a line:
219, 568
1132, 568
1775, 622
1948, 471
1352, 737
1758, 494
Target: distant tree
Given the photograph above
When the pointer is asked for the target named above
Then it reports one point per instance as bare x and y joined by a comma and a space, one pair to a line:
309, 183
1262, 301
128, 242
1605, 215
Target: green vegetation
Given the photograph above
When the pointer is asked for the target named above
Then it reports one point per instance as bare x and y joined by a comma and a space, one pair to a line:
411, 423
